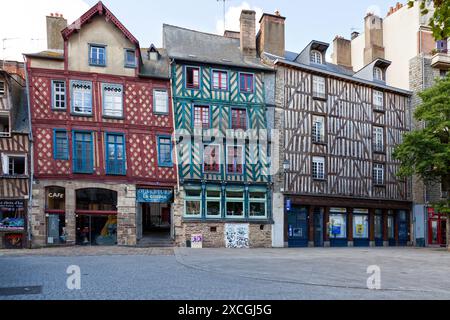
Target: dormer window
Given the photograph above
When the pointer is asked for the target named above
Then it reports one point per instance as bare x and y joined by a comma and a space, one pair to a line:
316, 57
153, 55
378, 74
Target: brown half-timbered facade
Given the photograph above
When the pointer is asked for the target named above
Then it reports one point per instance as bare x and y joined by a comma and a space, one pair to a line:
102, 128
338, 131
15, 160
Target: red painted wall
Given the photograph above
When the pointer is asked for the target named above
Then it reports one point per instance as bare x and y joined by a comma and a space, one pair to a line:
140, 126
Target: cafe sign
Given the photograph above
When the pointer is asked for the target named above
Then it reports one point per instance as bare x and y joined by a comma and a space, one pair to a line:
153, 196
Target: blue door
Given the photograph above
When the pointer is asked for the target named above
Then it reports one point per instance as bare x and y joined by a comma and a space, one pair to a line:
403, 234
298, 227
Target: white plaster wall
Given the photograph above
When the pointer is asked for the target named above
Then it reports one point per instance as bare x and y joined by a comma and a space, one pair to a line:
358, 45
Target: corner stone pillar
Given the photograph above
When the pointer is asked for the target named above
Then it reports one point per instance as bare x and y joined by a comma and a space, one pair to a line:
71, 220
178, 212
126, 216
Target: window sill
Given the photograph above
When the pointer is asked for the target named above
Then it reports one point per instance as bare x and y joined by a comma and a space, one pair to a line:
320, 143
97, 65
18, 176
192, 88
130, 66
161, 113
74, 114
319, 180
377, 109
80, 172
113, 117
323, 98
116, 174
265, 221
165, 165
59, 109
380, 152
379, 185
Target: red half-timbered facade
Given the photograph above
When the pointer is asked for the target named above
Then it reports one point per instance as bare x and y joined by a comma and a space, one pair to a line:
102, 129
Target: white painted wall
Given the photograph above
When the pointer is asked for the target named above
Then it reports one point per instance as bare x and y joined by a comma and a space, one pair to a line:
358, 45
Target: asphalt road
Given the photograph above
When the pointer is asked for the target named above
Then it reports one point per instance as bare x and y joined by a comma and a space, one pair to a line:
208, 274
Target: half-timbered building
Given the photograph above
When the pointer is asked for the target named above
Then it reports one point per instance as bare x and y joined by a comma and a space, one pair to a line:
15, 160
339, 130
219, 90
102, 126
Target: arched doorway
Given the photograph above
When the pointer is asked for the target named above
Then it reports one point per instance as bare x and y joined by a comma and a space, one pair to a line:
96, 217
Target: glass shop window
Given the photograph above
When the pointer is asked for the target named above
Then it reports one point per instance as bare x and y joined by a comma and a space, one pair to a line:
193, 202
213, 202
361, 224
338, 224
257, 203
235, 203
96, 200
12, 215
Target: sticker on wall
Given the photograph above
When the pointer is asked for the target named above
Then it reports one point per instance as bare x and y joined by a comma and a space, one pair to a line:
197, 241
237, 236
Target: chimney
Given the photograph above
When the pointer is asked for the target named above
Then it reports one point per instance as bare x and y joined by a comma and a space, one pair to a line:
248, 33
373, 32
271, 37
342, 52
55, 24
355, 34
232, 34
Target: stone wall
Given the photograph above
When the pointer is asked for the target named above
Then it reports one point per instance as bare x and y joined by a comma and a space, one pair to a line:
126, 227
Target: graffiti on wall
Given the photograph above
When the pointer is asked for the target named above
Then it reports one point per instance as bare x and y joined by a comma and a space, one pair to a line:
237, 236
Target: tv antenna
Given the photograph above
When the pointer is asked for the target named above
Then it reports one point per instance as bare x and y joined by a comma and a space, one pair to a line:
224, 12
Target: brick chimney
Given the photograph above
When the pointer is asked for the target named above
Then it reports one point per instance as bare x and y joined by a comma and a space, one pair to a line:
373, 32
232, 34
342, 52
248, 33
55, 24
271, 37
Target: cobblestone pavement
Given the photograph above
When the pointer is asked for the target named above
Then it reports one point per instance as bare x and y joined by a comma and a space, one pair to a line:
209, 274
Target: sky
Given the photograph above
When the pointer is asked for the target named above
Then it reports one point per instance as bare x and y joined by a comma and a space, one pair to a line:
22, 22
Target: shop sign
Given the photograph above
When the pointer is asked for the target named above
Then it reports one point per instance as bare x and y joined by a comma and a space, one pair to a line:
338, 210
197, 241
12, 204
153, 196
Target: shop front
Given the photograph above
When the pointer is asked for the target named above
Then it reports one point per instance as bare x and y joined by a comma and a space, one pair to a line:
13, 224
359, 223
437, 228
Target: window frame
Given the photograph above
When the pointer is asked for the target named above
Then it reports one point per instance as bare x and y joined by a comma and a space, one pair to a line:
123, 169
242, 156
379, 167
74, 158
202, 107
2, 88
253, 86
313, 161
186, 86
113, 86
55, 145
236, 200
375, 95
313, 55
192, 199
257, 200
240, 110
316, 93
220, 71
72, 100
219, 171
9, 156
54, 100
213, 199
127, 64
167, 101
6, 134
376, 148
91, 61
160, 163
323, 139
377, 71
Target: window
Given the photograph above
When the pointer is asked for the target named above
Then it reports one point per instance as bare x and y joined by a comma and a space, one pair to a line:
165, 152
192, 78
220, 80
4, 126
211, 158
361, 223
338, 223
378, 99
318, 168
318, 129
2, 88
14, 165
130, 58
59, 95
239, 119
378, 139
82, 97
93, 199
378, 74
153, 55
319, 87
61, 147
257, 203
378, 174
160, 101
316, 57
201, 117
83, 153
235, 203
115, 158
213, 202
235, 159
246, 82
113, 100
193, 202
97, 55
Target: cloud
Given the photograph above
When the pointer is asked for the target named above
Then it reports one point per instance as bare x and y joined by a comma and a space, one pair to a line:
23, 23
375, 9
232, 17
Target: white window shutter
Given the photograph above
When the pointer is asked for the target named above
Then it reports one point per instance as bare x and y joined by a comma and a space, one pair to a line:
5, 164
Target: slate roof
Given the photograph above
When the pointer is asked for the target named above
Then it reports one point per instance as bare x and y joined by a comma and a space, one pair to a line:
155, 69
199, 47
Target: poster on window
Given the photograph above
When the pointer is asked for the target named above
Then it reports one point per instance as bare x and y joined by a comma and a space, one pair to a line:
13, 241
237, 236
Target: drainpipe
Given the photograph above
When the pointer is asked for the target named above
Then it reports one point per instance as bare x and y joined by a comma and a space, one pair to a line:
177, 190
31, 154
